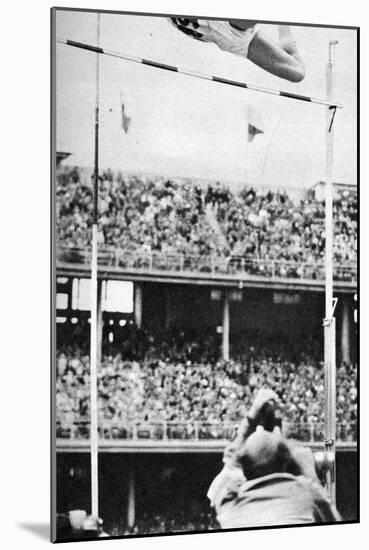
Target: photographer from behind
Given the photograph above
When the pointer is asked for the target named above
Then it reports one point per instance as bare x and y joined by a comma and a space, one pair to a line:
265, 480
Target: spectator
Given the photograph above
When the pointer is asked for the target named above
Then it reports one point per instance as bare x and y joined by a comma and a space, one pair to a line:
263, 483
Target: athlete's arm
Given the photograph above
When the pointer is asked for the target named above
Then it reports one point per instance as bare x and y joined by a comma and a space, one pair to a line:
281, 59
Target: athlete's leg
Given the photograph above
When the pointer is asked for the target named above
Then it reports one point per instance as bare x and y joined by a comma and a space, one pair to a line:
281, 59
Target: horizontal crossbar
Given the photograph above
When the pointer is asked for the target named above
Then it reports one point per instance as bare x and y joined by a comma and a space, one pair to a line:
195, 74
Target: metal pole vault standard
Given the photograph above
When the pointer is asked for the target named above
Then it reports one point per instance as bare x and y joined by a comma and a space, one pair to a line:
94, 306
329, 322
219, 79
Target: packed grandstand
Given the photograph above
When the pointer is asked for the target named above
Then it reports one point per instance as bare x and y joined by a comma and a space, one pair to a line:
173, 384
177, 224
179, 387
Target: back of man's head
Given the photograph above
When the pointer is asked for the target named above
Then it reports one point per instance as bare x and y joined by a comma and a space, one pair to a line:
264, 453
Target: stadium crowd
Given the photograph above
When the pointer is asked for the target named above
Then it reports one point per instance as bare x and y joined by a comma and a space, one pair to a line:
140, 215
178, 387
136, 213
72, 527
169, 523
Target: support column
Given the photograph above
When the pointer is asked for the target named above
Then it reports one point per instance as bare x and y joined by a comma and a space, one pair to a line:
225, 326
168, 308
138, 304
345, 331
131, 505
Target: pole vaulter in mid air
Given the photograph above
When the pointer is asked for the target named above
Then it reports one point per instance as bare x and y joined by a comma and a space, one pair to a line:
243, 38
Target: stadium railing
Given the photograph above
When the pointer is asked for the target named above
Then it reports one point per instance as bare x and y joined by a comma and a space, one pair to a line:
210, 264
312, 432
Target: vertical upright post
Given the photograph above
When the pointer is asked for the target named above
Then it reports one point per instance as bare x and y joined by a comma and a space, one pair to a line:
329, 322
225, 327
138, 304
247, 156
345, 331
94, 307
330, 404
99, 322
131, 505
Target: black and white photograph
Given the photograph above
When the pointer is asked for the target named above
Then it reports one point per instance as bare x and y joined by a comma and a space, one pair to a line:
204, 371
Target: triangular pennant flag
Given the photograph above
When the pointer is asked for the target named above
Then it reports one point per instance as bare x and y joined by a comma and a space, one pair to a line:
255, 122
125, 111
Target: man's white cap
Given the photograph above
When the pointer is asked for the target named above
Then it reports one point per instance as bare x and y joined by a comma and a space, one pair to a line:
77, 517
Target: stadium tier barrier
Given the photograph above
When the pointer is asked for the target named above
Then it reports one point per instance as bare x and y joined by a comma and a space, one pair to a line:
312, 432
210, 264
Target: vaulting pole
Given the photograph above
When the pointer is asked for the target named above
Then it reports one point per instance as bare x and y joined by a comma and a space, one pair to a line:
94, 305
